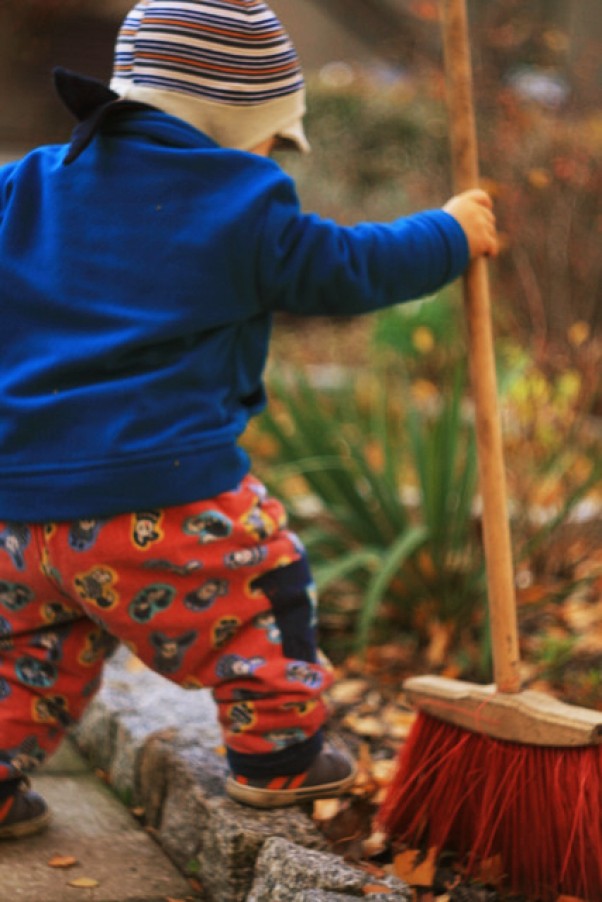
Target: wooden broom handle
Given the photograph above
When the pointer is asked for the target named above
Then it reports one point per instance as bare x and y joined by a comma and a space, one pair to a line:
498, 551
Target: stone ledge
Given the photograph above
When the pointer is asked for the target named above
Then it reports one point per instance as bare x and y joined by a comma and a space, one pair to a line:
160, 748
285, 871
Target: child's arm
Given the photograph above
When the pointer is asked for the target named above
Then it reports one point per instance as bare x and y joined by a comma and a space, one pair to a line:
312, 266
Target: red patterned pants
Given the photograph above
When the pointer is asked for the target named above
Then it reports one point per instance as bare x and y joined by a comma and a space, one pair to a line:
212, 594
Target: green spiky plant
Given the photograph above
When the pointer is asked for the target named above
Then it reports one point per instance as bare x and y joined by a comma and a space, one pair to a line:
356, 450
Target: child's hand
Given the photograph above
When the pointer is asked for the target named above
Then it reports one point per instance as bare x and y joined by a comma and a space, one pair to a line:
474, 211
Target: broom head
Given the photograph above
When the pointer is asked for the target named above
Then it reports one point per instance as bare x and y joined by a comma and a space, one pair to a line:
484, 774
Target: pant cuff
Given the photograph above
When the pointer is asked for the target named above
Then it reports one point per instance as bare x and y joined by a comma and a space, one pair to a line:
292, 760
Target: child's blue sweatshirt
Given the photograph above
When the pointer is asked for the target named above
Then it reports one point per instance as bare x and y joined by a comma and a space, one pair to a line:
137, 287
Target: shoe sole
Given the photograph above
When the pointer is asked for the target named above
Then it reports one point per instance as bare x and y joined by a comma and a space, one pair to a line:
26, 828
283, 798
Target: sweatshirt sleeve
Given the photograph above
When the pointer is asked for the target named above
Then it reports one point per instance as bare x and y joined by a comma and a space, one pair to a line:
312, 266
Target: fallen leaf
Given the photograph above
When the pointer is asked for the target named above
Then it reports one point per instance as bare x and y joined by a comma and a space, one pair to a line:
399, 722
372, 889
440, 638
62, 861
369, 726
416, 872
383, 771
84, 882
375, 843
326, 809
491, 871
348, 692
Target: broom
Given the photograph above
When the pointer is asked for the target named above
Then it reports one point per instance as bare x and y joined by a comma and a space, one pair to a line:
493, 772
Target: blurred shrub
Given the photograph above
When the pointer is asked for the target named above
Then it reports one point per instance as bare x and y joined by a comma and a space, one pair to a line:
382, 152
547, 182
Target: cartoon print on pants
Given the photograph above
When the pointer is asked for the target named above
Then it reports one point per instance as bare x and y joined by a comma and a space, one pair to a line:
98, 644
302, 672
150, 601
51, 709
231, 666
245, 557
223, 630
83, 534
146, 528
14, 539
52, 642
267, 622
14, 596
6, 640
244, 695
28, 755
301, 709
170, 651
5, 689
208, 526
242, 716
96, 586
38, 674
56, 612
202, 598
180, 569
48, 569
258, 524
282, 739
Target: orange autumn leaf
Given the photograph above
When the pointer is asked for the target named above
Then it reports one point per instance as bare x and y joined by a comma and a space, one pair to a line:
532, 594
84, 883
409, 868
440, 638
62, 861
371, 889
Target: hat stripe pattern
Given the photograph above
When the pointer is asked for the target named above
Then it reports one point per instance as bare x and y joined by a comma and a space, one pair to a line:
228, 51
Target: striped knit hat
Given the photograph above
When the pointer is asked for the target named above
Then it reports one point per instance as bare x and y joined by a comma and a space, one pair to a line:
225, 66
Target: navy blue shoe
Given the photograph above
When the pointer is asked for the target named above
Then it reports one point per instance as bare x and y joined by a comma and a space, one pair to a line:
330, 774
23, 813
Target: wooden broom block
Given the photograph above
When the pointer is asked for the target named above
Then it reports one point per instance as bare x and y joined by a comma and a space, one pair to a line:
524, 717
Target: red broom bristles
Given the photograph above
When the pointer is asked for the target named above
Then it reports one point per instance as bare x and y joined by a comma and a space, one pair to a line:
538, 808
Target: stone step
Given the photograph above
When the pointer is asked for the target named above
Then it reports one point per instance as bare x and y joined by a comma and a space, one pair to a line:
160, 748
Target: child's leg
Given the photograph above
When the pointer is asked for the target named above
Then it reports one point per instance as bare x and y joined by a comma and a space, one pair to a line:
47, 674
214, 594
